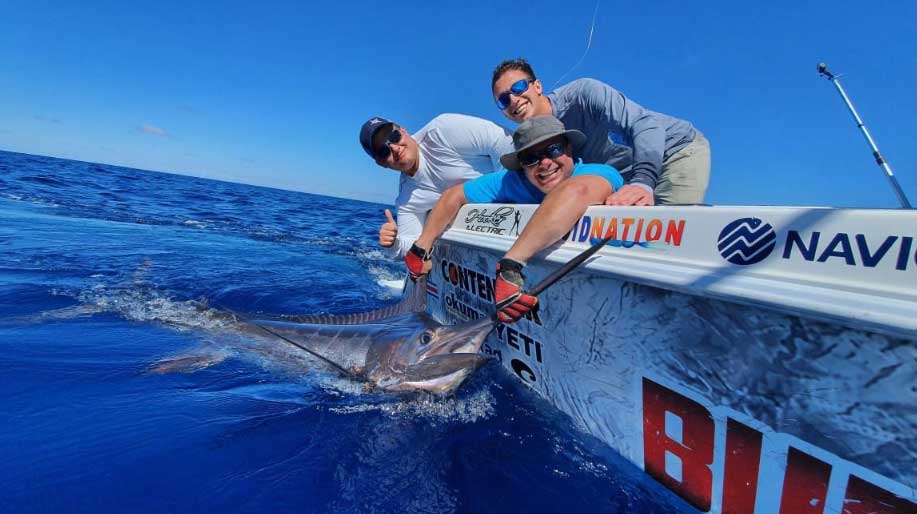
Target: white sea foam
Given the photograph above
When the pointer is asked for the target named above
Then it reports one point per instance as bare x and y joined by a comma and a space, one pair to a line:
387, 275
34, 201
194, 223
146, 304
477, 406
373, 254
391, 283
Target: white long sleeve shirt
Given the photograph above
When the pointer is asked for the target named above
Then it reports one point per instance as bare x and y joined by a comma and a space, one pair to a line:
453, 148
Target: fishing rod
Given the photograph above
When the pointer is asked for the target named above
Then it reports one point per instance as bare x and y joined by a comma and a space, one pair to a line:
562, 271
902, 199
567, 268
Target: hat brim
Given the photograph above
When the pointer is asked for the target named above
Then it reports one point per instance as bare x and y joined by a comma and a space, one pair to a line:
576, 138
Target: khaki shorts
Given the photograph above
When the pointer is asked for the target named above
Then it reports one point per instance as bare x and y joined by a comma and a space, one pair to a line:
686, 174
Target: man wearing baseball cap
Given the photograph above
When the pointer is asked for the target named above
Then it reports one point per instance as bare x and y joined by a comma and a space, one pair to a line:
449, 150
542, 170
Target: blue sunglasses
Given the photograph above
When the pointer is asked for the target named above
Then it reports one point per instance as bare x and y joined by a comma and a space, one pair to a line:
518, 87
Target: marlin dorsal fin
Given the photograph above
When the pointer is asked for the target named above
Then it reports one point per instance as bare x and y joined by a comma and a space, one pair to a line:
415, 300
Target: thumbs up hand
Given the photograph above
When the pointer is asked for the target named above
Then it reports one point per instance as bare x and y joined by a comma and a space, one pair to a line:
388, 231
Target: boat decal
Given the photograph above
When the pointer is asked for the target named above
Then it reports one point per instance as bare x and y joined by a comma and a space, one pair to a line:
746, 241
621, 244
477, 285
494, 221
493, 352
521, 342
460, 309
841, 247
628, 229
720, 460
432, 289
524, 372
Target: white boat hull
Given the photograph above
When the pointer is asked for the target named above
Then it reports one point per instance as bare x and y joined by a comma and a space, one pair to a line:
780, 383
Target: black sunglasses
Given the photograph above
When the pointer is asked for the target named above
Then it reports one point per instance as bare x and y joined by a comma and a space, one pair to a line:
517, 88
393, 138
551, 151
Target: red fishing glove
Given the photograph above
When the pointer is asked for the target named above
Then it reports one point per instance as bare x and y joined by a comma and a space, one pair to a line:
511, 302
418, 261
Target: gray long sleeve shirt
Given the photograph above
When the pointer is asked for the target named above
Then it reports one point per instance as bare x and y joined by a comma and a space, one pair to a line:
620, 132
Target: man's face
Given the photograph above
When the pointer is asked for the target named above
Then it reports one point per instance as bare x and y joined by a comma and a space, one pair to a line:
549, 172
403, 155
523, 106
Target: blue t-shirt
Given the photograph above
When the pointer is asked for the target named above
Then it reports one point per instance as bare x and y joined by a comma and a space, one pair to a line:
507, 186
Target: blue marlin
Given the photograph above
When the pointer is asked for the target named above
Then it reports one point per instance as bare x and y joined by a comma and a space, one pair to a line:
400, 348
397, 348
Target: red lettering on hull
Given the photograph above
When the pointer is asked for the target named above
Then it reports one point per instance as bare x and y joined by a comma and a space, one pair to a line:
805, 484
865, 498
695, 450
740, 477
679, 435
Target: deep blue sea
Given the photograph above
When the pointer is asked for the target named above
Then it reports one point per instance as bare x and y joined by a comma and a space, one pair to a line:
105, 271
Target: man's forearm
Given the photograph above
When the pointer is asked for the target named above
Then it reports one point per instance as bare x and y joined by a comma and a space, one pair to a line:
559, 211
649, 146
441, 215
400, 248
410, 224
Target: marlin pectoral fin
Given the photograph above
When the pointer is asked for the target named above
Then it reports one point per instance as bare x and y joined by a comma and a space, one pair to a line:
186, 364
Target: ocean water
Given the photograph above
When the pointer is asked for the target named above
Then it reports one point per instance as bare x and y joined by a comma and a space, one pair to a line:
106, 271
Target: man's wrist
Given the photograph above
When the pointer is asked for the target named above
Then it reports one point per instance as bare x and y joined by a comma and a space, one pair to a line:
514, 256
507, 264
641, 185
643, 179
419, 250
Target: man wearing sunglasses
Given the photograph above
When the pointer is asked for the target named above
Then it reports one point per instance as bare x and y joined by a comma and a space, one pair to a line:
542, 170
449, 150
663, 159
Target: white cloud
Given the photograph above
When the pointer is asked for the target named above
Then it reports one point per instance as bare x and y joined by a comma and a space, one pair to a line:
153, 130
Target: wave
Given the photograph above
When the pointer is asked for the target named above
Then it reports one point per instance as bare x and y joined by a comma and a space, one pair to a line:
477, 406
220, 334
150, 305
48, 181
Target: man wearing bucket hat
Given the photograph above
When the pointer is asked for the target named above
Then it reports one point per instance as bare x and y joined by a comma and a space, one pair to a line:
542, 170
449, 150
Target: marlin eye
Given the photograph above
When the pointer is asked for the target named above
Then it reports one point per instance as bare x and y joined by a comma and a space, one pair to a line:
426, 338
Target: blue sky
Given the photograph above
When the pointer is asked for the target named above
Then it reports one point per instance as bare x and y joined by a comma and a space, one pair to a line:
273, 93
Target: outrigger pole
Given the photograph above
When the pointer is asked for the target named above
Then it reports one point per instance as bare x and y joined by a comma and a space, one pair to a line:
902, 199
